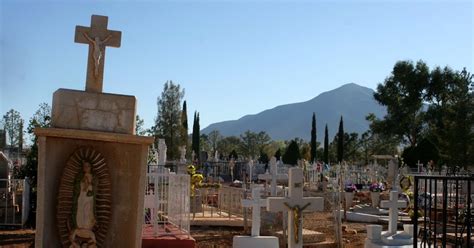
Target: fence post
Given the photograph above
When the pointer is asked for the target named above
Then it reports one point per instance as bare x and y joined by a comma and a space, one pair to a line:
415, 214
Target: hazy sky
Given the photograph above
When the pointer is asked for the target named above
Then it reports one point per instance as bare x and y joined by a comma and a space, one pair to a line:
232, 57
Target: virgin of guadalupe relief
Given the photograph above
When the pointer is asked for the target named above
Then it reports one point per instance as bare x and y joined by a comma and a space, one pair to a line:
84, 200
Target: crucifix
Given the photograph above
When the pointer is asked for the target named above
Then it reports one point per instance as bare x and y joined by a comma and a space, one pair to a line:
256, 203
295, 204
393, 205
98, 37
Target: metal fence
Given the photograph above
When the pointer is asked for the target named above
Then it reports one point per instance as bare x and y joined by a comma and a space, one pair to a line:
166, 203
14, 202
444, 207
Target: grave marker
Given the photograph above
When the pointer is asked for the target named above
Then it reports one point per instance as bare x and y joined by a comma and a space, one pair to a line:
295, 204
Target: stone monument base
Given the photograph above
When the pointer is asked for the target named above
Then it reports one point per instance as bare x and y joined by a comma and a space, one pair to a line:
257, 241
378, 239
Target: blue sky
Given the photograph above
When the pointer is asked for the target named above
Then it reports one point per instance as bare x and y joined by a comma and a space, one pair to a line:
232, 57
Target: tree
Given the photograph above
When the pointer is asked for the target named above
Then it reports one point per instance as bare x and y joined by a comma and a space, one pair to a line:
228, 144
168, 120
326, 144
313, 138
139, 129
214, 137
11, 122
402, 94
450, 115
196, 137
252, 143
278, 154
41, 118
184, 126
292, 153
340, 141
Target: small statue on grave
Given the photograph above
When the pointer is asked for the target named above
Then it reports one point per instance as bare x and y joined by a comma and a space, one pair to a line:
97, 53
83, 211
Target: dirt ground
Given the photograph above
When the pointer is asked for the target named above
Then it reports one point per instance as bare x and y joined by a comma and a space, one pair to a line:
221, 237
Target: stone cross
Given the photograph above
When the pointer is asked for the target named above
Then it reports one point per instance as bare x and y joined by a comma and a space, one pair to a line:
393, 205
98, 37
256, 203
295, 204
251, 171
273, 176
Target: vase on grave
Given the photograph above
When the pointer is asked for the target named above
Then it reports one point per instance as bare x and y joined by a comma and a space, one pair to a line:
375, 197
349, 197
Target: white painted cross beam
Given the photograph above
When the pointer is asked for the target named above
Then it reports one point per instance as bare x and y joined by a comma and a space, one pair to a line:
256, 203
393, 205
295, 204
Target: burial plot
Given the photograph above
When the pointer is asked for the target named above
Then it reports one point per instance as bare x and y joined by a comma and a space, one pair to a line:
255, 240
295, 204
91, 165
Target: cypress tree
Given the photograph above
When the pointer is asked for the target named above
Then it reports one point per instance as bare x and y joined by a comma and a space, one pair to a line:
340, 141
326, 145
196, 135
184, 126
313, 138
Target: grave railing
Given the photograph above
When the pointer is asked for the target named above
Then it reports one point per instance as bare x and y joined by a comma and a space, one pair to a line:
167, 204
443, 210
14, 202
224, 202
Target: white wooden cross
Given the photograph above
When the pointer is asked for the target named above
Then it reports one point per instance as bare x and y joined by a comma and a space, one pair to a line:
256, 203
295, 204
98, 37
393, 205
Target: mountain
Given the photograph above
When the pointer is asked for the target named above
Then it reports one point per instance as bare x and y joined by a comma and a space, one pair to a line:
284, 122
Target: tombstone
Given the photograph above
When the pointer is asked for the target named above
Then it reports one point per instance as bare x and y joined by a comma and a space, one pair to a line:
273, 176
391, 238
91, 165
255, 240
182, 156
162, 152
392, 174
295, 204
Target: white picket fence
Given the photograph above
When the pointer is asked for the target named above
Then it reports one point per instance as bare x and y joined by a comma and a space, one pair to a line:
14, 202
166, 203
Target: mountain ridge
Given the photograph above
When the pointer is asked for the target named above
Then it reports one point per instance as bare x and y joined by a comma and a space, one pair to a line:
288, 121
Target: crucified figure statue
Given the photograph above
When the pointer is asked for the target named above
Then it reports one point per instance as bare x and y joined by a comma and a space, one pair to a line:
297, 210
97, 54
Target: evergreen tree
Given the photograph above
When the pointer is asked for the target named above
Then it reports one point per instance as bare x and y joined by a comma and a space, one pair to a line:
11, 122
313, 138
184, 126
278, 154
196, 137
340, 141
292, 153
326, 146
168, 119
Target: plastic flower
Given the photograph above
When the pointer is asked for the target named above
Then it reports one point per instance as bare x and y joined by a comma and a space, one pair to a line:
376, 187
350, 188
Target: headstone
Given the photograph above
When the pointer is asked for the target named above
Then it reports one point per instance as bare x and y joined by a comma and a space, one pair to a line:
256, 203
295, 204
162, 152
393, 205
391, 238
273, 177
91, 165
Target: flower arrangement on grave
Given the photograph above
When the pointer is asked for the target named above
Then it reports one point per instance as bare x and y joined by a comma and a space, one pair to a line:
376, 187
350, 188
196, 179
